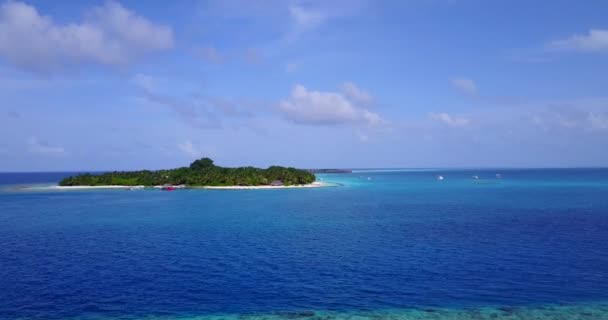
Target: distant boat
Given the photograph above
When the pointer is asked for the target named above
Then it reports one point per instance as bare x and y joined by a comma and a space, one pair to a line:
498, 176
476, 177
136, 188
440, 178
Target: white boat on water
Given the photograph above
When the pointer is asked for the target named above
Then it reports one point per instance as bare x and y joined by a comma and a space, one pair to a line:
439, 178
476, 177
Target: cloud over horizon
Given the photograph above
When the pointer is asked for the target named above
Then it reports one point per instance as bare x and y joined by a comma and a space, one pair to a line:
581, 117
596, 40
450, 120
44, 148
196, 110
324, 108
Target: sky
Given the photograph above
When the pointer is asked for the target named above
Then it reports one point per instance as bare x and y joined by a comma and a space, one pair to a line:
122, 85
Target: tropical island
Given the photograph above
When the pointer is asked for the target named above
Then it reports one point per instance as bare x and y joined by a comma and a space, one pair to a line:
200, 173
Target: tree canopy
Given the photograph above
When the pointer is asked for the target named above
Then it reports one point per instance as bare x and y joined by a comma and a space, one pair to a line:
201, 163
201, 172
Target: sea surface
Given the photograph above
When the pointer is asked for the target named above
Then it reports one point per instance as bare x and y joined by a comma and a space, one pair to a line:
388, 244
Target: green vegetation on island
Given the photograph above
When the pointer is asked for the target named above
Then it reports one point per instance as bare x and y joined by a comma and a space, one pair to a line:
201, 172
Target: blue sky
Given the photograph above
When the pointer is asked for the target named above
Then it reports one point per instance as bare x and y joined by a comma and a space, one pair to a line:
98, 85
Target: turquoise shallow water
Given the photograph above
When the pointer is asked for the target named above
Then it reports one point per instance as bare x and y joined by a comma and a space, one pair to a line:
382, 245
596, 311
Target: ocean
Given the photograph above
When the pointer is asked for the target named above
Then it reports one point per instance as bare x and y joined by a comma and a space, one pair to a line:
380, 244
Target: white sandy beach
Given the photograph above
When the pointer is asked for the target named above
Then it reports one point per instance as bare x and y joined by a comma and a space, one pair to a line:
90, 187
54, 187
310, 185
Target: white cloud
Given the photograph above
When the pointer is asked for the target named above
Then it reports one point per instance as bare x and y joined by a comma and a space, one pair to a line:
371, 118
449, 120
188, 148
305, 18
108, 35
595, 40
196, 110
464, 85
311, 15
43, 147
196, 151
324, 108
355, 93
572, 117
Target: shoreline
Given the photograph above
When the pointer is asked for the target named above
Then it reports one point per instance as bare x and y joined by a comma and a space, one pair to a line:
315, 184
297, 186
86, 187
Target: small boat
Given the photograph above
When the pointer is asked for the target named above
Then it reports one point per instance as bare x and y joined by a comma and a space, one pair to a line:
476, 177
498, 176
168, 187
439, 178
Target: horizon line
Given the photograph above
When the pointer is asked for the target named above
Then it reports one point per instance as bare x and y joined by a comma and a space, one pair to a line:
344, 168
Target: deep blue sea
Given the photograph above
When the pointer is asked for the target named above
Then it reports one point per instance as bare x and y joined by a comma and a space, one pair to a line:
532, 244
